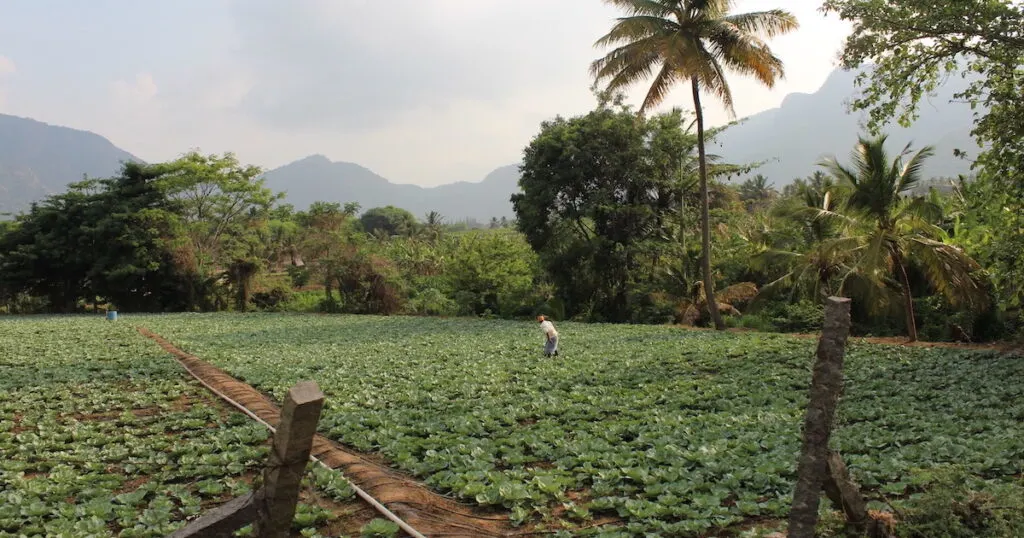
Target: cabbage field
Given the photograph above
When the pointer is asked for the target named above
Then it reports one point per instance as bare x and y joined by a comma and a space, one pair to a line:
102, 434
633, 430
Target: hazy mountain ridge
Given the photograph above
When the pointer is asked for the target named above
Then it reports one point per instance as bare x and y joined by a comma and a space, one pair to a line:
809, 127
318, 178
37, 159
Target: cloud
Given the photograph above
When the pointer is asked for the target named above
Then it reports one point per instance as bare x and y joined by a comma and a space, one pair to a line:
141, 90
326, 65
7, 66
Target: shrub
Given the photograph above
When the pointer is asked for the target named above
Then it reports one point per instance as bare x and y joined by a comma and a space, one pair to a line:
306, 302
799, 317
270, 300
951, 503
432, 302
299, 276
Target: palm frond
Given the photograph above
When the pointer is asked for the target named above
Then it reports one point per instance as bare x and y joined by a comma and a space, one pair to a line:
920, 209
744, 53
660, 87
627, 65
768, 24
714, 81
950, 271
654, 8
910, 174
839, 171
632, 29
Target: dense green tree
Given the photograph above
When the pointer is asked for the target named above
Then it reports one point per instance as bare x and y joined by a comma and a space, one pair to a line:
115, 238
389, 221
693, 41
493, 272
596, 190
48, 253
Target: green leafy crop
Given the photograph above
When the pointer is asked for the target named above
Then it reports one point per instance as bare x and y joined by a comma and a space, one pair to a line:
673, 432
103, 434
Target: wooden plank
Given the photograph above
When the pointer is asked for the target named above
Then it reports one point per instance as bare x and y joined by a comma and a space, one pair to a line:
224, 520
826, 384
288, 458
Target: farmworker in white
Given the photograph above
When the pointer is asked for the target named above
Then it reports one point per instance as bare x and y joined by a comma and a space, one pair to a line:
550, 335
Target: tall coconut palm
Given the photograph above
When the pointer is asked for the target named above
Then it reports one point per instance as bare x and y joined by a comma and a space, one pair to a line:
696, 41
887, 230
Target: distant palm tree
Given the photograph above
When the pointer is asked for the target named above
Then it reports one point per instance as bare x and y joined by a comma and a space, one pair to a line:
887, 230
756, 190
811, 272
695, 41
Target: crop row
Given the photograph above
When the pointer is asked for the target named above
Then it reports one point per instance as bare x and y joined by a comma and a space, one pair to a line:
101, 434
664, 430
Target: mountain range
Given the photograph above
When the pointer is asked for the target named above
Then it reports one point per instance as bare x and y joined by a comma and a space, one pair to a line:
37, 159
317, 178
790, 140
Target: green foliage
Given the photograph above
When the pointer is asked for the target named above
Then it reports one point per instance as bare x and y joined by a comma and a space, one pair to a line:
379, 528
493, 272
272, 300
304, 302
886, 231
103, 435
686, 40
432, 302
952, 503
599, 195
389, 221
706, 440
982, 41
799, 317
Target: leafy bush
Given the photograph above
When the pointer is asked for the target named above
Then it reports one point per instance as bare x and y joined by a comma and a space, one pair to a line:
299, 276
432, 302
306, 302
940, 322
956, 504
655, 308
271, 300
799, 317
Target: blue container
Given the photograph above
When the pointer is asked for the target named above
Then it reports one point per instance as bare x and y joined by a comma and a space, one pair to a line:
112, 315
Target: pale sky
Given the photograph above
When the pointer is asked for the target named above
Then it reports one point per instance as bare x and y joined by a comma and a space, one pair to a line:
420, 91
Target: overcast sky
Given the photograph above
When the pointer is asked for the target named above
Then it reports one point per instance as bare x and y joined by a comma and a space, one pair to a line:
420, 91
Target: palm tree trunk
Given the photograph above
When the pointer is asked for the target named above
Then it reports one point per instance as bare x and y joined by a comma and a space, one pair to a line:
705, 219
908, 299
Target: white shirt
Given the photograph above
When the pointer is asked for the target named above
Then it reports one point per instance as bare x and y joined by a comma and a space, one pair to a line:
548, 328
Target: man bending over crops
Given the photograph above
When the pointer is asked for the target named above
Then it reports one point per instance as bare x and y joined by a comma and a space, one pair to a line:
551, 336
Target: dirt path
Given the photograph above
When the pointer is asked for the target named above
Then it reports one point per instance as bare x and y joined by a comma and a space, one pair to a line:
427, 512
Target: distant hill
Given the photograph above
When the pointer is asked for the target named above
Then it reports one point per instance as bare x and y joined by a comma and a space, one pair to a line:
38, 159
318, 178
809, 127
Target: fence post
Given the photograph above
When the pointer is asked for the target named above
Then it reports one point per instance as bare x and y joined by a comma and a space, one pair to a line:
826, 384
288, 458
